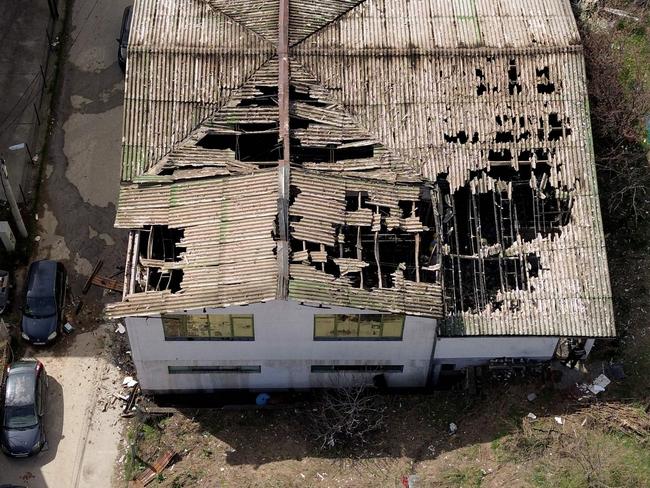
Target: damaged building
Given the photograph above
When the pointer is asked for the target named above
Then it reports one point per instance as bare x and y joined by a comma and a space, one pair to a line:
324, 191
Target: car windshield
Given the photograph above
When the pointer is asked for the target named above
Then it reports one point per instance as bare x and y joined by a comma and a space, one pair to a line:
22, 417
40, 307
20, 412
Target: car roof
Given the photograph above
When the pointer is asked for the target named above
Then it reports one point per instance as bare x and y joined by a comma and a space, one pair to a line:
20, 387
42, 276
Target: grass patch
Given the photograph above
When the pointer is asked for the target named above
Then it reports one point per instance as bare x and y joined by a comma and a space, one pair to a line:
582, 458
470, 477
132, 463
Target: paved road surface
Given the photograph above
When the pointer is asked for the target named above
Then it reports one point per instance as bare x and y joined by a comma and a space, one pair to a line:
76, 227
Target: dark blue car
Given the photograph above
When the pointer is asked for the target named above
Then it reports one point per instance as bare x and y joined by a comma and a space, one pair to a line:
44, 302
123, 40
24, 397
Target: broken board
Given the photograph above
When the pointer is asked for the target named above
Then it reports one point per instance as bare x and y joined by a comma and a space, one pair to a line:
149, 474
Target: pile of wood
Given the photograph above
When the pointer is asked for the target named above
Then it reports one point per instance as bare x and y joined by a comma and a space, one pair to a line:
621, 418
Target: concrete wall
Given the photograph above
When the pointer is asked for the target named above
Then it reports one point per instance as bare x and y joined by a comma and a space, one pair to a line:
284, 347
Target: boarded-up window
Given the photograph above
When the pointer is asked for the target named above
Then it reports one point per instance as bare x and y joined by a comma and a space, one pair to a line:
205, 327
358, 326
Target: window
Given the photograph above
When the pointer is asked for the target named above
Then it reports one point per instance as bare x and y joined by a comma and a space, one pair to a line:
208, 327
359, 327
359, 368
213, 369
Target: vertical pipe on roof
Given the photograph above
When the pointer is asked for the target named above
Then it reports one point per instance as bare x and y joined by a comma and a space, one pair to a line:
127, 269
134, 261
283, 167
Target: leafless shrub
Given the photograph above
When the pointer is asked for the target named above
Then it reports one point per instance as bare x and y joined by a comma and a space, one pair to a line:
346, 416
619, 93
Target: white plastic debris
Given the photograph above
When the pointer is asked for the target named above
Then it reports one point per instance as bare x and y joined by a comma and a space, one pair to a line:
67, 328
129, 382
599, 385
531, 416
120, 329
452, 428
37, 238
531, 397
559, 420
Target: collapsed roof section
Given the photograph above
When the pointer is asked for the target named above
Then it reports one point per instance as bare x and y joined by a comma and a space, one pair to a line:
241, 137
365, 244
207, 242
440, 163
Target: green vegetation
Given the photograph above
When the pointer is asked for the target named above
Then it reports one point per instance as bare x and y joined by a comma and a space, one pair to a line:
470, 477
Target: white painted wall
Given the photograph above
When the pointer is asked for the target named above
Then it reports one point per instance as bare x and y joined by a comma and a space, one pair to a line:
283, 346
466, 351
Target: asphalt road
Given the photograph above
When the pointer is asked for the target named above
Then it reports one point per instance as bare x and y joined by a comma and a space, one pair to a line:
76, 227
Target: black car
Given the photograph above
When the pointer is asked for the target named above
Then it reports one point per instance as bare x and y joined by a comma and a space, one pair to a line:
24, 397
44, 301
123, 40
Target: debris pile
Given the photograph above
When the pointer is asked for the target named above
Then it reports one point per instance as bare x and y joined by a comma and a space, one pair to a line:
128, 395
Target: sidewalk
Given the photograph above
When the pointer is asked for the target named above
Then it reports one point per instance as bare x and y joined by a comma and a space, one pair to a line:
26, 69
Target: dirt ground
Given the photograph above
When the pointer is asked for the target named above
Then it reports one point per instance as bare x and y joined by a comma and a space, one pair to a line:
496, 444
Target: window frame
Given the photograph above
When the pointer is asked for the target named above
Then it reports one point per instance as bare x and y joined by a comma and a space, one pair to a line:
209, 338
357, 337
215, 369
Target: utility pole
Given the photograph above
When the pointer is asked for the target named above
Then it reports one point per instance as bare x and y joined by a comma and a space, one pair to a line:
9, 193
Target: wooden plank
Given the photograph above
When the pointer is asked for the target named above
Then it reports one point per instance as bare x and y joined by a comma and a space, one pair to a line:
149, 474
108, 283
89, 281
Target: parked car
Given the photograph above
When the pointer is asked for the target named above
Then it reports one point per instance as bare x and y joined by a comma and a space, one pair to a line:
4, 291
24, 397
123, 40
44, 302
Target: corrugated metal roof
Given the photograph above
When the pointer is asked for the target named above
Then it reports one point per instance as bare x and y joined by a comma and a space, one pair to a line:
305, 16
412, 72
430, 25
227, 249
434, 87
184, 60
